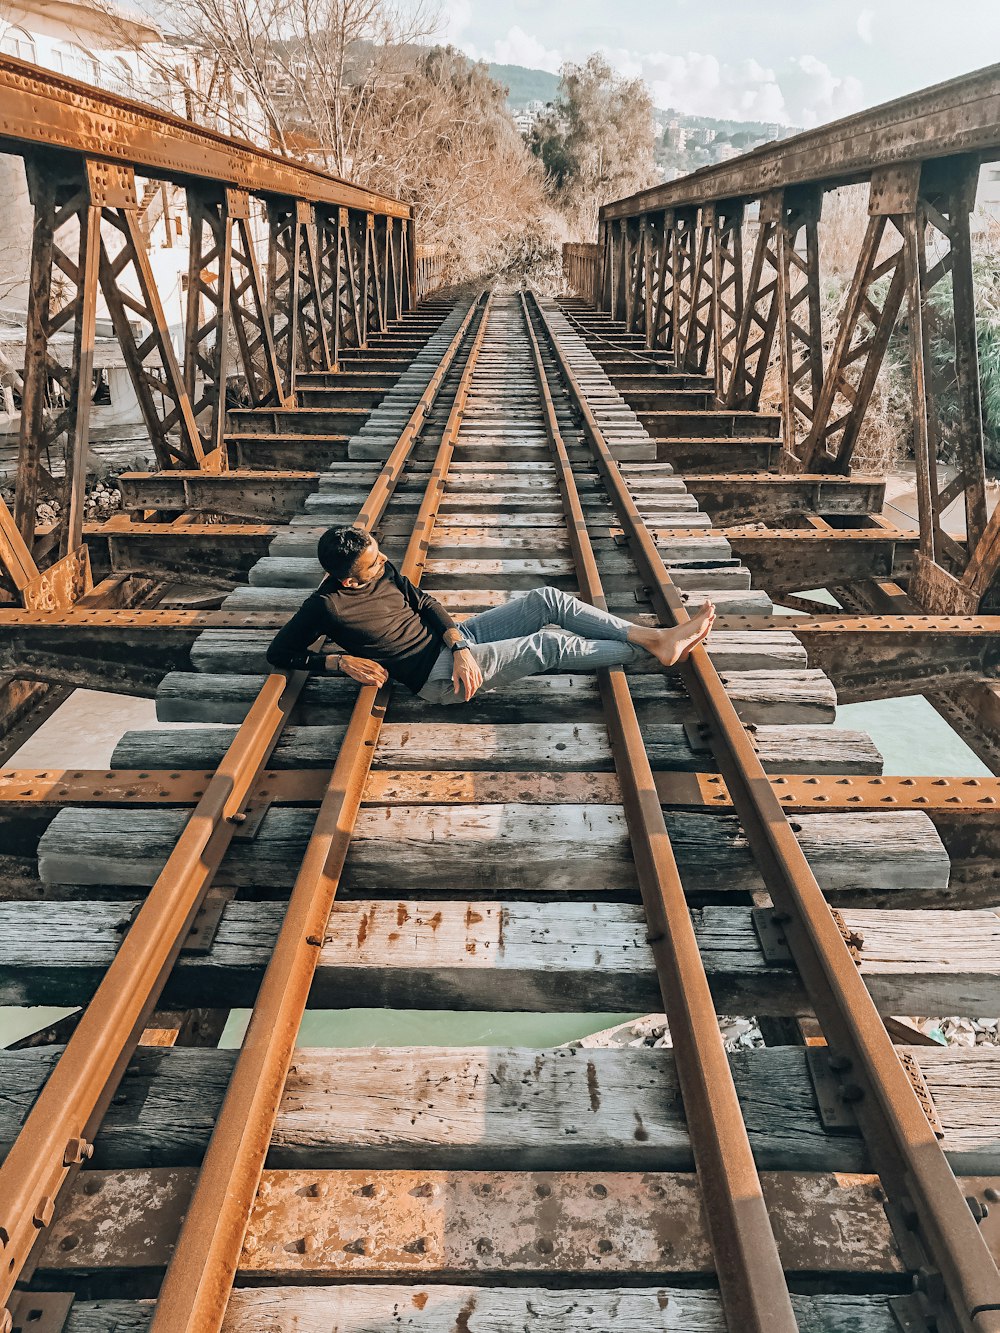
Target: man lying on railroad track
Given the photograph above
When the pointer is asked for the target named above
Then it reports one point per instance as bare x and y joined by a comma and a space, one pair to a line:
388, 627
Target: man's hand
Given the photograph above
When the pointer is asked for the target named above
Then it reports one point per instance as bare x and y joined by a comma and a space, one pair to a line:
466, 674
363, 670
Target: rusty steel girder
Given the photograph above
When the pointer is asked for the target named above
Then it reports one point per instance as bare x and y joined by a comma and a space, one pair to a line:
960, 116
329, 285
658, 275
41, 108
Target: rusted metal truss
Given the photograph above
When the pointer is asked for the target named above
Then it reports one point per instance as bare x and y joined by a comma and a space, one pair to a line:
669, 267
288, 267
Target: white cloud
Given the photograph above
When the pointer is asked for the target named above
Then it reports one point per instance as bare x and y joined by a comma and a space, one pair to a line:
825, 95
700, 84
864, 25
455, 19
521, 48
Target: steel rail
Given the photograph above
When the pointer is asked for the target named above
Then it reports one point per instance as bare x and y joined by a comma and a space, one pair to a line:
928, 1211
200, 1275
957, 117
43, 110
751, 1279
57, 1135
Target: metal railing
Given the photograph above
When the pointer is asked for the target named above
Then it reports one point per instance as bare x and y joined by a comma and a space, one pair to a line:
673, 270
338, 264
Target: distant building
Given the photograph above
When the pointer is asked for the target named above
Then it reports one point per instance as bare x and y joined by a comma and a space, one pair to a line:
701, 136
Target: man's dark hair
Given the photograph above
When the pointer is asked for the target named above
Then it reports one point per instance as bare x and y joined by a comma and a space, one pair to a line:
339, 549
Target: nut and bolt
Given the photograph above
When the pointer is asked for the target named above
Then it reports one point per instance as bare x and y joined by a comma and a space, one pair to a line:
77, 1151
977, 1208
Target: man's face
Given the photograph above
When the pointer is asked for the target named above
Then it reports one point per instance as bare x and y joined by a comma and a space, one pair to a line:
368, 567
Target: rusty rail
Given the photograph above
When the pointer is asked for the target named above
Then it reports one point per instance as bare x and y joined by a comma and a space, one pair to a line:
927, 1208
57, 1136
200, 1275
748, 1266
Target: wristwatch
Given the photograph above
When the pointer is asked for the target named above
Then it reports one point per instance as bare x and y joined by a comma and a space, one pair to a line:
459, 644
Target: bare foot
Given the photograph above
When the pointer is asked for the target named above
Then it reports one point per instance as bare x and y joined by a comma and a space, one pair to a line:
675, 645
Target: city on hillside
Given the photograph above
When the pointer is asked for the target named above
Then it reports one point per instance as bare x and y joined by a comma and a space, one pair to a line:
683, 142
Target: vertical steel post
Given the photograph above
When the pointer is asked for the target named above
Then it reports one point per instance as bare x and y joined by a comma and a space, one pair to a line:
60, 202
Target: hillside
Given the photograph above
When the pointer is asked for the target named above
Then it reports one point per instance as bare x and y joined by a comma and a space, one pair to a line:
525, 85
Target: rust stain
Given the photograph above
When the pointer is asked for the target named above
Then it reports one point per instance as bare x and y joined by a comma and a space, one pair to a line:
436, 920
419, 1299
472, 917
363, 929
393, 936
464, 1315
470, 946
402, 916
593, 1087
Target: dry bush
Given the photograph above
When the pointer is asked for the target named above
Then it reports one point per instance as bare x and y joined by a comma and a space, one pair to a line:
346, 84
447, 141
595, 142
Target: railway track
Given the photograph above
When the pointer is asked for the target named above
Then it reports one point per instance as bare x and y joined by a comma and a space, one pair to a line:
511, 854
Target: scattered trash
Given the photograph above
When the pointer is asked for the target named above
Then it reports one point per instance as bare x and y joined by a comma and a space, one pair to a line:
960, 1031
101, 501
740, 1034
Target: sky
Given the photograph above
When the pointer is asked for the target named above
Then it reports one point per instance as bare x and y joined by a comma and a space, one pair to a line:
796, 62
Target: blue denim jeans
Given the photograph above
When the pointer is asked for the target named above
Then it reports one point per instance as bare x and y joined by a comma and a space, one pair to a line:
516, 640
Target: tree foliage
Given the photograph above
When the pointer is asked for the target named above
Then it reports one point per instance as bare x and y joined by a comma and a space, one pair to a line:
445, 138
595, 141
349, 84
